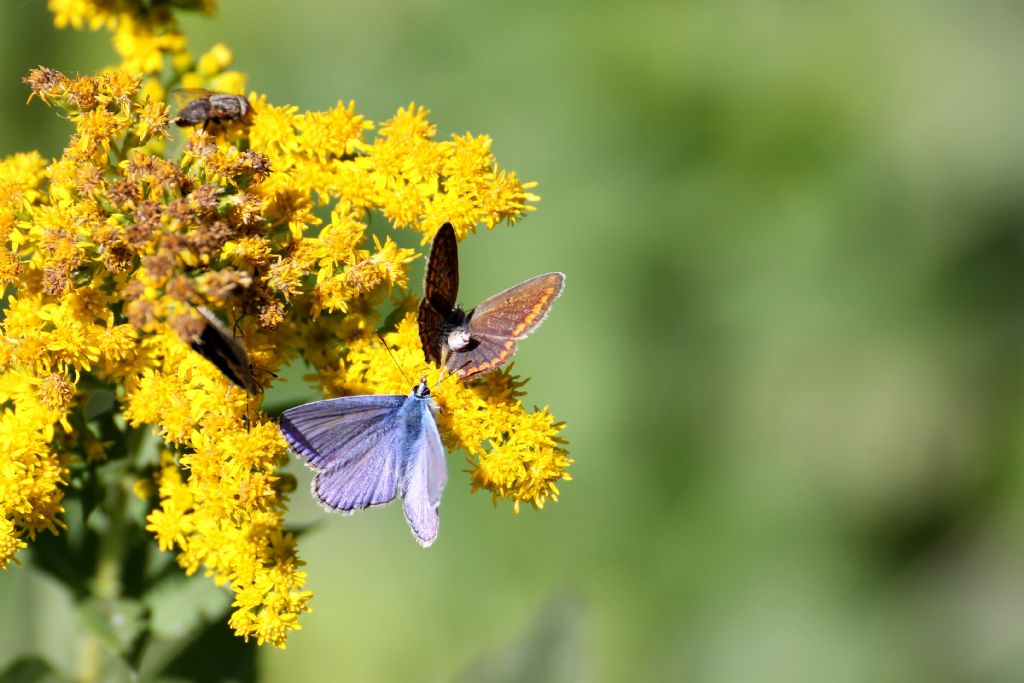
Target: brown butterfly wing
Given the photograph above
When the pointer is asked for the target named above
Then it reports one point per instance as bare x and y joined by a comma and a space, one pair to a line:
441, 286
497, 323
519, 310
431, 323
483, 355
440, 289
217, 345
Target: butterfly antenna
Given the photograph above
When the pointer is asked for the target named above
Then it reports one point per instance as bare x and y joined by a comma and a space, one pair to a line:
393, 359
444, 377
248, 417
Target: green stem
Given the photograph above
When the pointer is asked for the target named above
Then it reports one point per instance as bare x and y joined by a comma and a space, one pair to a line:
89, 665
107, 581
119, 150
107, 585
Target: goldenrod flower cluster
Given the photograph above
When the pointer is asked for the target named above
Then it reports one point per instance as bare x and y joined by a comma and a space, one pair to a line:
107, 251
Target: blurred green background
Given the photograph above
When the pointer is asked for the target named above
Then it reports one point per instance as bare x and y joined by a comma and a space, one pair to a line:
790, 352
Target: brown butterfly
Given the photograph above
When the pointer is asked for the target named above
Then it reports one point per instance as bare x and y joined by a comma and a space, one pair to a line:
217, 344
477, 342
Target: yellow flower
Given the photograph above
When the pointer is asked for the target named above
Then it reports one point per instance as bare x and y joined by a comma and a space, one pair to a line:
233, 82
215, 60
109, 249
93, 14
335, 133
10, 544
142, 46
228, 514
31, 474
154, 118
96, 128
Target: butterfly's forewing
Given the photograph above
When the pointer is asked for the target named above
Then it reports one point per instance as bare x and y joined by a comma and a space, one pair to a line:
518, 310
338, 430
440, 289
217, 345
496, 324
425, 477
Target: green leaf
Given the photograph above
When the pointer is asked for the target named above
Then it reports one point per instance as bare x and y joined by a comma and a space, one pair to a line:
30, 670
101, 401
552, 649
181, 604
118, 623
70, 563
215, 655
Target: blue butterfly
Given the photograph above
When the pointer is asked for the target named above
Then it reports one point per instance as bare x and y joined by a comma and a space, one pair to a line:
368, 449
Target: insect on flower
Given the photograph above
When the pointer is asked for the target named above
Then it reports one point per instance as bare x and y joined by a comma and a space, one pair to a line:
369, 449
206, 107
217, 344
480, 341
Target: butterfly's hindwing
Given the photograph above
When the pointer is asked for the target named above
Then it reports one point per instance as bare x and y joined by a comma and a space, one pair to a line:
424, 480
431, 324
481, 356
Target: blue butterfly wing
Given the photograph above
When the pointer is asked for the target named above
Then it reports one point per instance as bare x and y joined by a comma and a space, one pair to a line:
368, 449
338, 430
356, 443
371, 479
424, 478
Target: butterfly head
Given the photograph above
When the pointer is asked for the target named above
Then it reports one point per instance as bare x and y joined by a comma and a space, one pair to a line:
421, 390
456, 317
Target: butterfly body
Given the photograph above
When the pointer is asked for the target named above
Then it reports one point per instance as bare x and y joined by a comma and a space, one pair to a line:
368, 450
482, 340
455, 331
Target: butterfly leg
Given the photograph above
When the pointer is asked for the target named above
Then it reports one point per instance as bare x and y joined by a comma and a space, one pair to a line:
237, 327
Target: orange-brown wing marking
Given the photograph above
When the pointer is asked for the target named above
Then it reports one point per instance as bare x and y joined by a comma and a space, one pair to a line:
519, 310
487, 355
